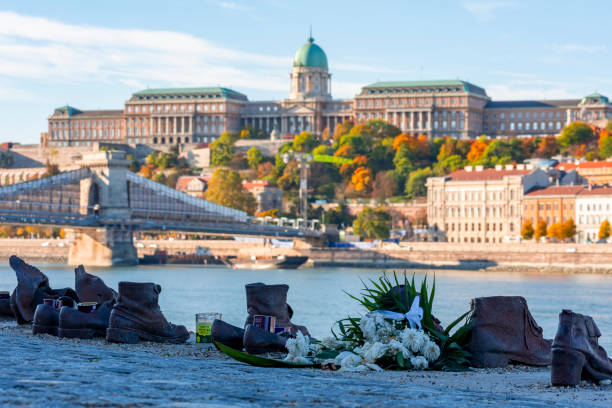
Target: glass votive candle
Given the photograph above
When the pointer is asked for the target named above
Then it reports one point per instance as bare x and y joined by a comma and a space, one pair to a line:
203, 326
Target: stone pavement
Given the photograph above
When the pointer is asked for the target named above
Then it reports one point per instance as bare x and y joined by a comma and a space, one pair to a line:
50, 372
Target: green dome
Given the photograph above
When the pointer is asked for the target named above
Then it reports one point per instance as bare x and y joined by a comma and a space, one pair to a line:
310, 55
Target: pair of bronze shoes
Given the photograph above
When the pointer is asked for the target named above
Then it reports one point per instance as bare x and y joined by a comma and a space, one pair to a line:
264, 300
503, 330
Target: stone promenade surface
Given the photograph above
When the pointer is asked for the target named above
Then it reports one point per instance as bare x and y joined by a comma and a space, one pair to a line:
50, 372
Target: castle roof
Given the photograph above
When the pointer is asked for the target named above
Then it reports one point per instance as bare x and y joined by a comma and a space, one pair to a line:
310, 55
437, 85
198, 93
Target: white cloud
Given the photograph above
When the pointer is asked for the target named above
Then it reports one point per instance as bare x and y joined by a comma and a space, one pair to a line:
232, 6
485, 10
579, 48
39, 48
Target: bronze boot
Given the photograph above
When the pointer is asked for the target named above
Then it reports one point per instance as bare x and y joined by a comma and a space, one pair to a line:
227, 334
5, 304
77, 324
271, 300
503, 330
32, 289
46, 316
91, 288
259, 341
576, 353
137, 316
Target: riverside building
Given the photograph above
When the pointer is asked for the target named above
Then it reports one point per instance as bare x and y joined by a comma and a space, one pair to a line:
481, 205
593, 206
163, 117
552, 204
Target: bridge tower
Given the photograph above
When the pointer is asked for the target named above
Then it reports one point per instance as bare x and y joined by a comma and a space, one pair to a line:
106, 194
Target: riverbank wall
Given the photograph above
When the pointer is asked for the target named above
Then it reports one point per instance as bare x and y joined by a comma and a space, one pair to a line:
585, 258
596, 258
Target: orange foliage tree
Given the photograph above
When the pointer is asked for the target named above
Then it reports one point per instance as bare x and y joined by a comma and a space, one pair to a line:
477, 150
362, 179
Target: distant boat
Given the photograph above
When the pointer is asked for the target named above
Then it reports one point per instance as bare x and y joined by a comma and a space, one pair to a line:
280, 262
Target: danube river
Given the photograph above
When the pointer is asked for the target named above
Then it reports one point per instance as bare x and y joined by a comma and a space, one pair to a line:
318, 299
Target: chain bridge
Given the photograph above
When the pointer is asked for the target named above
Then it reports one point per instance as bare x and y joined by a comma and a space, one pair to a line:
102, 203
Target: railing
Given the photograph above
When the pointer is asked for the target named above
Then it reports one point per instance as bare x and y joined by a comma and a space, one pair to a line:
47, 218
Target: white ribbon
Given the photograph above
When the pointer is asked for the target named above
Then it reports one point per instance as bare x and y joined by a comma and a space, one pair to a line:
414, 315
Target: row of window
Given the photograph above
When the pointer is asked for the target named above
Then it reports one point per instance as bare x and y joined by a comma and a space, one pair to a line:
549, 207
199, 129
176, 108
497, 211
86, 134
520, 126
83, 123
409, 102
477, 226
474, 195
411, 90
476, 240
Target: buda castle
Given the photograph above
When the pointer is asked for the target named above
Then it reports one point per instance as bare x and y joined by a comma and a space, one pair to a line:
162, 117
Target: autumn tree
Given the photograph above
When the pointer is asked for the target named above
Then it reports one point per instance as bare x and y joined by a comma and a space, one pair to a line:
477, 150
605, 144
225, 188
604, 230
547, 147
576, 133
527, 230
568, 229
362, 179
540, 230
373, 224
555, 231
254, 157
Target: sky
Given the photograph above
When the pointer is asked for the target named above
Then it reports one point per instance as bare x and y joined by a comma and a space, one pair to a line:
94, 55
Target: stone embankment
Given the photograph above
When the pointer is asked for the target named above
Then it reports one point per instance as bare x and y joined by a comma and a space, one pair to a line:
51, 372
523, 257
571, 258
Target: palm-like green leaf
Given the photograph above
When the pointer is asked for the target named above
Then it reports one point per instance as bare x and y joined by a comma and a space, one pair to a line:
260, 361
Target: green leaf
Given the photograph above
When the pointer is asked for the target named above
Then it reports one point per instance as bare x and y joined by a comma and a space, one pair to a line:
259, 361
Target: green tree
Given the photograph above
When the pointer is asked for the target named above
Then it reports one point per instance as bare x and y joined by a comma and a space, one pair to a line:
339, 216
575, 133
605, 148
540, 230
373, 224
450, 164
527, 230
604, 230
134, 166
225, 188
403, 162
415, 186
222, 150
254, 156
304, 142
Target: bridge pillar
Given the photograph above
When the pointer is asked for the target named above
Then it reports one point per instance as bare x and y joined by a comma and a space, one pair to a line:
101, 247
105, 194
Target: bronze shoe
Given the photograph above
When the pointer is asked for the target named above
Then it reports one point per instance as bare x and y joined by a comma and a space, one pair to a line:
576, 353
136, 316
504, 331
271, 300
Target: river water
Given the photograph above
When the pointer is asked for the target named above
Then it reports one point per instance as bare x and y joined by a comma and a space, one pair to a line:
318, 299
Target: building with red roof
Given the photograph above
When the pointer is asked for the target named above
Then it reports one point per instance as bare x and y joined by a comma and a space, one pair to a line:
481, 205
596, 172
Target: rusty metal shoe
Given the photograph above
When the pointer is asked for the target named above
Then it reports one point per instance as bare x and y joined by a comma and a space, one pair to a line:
271, 300
32, 289
46, 316
259, 341
227, 334
91, 288
503, 331
576, 353
136, 316
76, 324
